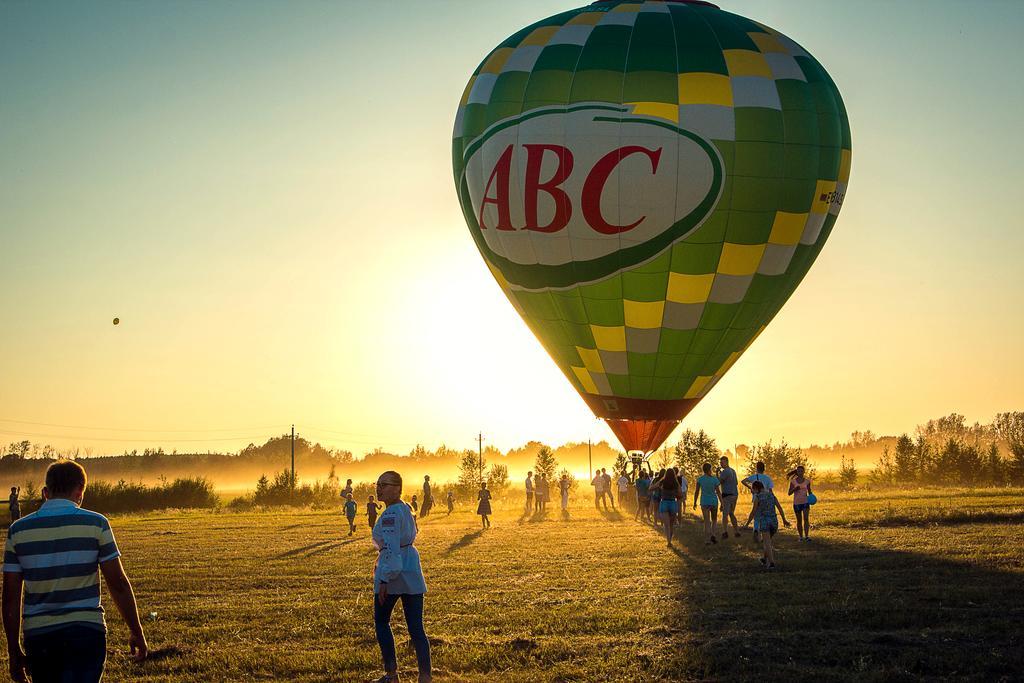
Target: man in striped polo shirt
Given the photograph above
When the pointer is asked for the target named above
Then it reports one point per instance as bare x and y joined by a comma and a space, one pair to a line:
51, 558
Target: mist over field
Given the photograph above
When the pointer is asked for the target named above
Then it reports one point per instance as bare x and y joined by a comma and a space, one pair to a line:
947, 445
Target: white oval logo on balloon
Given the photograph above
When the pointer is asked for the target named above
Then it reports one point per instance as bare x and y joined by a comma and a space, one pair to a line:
562, 197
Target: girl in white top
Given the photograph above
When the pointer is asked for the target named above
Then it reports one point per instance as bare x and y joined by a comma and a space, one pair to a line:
398, 575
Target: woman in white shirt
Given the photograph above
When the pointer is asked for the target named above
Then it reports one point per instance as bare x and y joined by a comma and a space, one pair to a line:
397, 575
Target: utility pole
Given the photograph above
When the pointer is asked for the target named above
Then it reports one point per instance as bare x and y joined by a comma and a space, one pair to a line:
293, 457
480, 450
590, 460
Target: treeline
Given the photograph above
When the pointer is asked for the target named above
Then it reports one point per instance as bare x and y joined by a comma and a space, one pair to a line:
943, 451
946, 450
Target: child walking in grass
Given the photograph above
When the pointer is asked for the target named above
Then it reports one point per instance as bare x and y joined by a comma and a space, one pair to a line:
372, 508
765, 505
483, 508
350, 513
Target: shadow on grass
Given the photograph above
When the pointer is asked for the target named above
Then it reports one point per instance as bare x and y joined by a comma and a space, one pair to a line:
538, 516
613, 515
304, 549
334, 546
837, 610
464, 541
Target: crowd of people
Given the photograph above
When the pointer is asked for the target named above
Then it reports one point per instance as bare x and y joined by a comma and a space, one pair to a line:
661, 497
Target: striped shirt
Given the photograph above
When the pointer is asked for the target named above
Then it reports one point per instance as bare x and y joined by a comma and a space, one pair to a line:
58, 549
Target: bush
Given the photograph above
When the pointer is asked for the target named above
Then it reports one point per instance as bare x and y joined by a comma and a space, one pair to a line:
192, 492
282, 491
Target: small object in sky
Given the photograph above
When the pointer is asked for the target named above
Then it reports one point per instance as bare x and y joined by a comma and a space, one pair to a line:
117, 321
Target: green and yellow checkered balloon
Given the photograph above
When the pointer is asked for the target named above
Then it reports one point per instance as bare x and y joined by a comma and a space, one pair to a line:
649, 182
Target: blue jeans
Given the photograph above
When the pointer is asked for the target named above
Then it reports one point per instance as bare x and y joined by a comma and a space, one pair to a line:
74, 654
412, 606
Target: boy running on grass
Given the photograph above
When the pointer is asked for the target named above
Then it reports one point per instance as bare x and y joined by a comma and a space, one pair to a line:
52, 583
350, 513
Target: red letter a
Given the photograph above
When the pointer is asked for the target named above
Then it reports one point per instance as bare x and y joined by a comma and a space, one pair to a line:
502, 170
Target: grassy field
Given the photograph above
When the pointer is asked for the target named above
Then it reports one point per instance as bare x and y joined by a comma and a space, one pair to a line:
917, 585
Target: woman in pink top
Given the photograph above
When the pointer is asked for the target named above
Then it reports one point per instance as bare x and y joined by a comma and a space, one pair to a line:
800, 488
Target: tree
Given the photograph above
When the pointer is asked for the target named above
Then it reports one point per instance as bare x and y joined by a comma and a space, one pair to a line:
693, 450
1010, 428
862, 439
621, 466
847, 473
994, 469
469, 473
497, 479
545, 463
903, 460
885, 469
778, 460
664, 459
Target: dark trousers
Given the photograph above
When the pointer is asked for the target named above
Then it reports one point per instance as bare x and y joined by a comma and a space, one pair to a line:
75, 654
412, 606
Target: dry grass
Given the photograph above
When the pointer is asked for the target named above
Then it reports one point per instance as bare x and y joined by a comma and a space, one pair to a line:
888, 589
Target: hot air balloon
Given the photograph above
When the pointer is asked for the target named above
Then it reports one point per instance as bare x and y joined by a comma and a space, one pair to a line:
649, 182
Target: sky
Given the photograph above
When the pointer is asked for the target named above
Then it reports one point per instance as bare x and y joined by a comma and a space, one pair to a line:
262, 193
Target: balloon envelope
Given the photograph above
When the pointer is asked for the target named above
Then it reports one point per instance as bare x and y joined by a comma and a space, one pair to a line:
648, 182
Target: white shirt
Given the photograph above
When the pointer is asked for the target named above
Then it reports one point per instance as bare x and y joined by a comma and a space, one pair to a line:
398, 563
763, 478
529, 484
598, 483
623, 484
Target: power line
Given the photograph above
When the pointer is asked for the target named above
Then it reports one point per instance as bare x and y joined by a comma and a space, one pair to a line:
106, 438
165, 431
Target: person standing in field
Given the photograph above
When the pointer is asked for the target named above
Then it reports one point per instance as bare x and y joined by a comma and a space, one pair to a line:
598, 484
763, 514
729, 484
398, 575
563, 488
541, 494
347, 491
351, 508
483, 508
428, 497
800, 489
623, 483
529, 491
671, 493
451, 501
655, 493
14, 505
643, 496
414, 505
607, 479
52, 583
766, 482
372, 508
707, 489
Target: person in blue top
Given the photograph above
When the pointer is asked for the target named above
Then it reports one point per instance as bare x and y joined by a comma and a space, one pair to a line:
763, 514
766, 482
643, 496
707, 489
351, 508
398, 575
